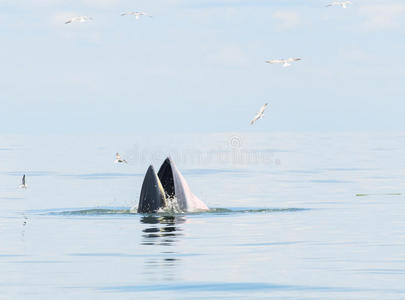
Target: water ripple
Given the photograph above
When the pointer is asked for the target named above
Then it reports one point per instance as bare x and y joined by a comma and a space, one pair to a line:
129, 211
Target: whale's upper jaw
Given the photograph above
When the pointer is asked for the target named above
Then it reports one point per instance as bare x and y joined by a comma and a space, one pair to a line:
174, 184
165, 174
152, 193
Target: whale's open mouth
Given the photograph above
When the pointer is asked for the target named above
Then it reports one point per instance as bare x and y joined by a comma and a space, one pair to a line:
166, 189
165, 175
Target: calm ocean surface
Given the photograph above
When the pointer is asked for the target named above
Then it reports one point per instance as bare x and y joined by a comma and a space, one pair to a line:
294, 216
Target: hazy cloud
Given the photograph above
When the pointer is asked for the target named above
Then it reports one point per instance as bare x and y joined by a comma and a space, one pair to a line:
287, 19
356, 54
229, 56
382, 16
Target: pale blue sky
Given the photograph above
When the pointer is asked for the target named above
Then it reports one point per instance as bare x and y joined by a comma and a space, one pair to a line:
198, 65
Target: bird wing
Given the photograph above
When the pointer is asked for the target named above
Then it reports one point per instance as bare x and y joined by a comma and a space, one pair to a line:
68, 21
262, 109
23, 180
256, 117
275, 61
291, 59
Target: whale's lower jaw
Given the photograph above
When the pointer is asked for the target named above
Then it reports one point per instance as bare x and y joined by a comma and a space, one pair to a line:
152, 194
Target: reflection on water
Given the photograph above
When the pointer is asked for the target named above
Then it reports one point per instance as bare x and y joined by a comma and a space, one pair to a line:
162, 231
157, 219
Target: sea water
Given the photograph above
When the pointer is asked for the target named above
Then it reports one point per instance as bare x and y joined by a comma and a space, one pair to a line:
293, 216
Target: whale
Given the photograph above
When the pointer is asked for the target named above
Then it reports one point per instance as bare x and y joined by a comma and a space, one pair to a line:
167, 188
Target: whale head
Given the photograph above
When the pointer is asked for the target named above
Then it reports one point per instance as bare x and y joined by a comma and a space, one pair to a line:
152, 194
167, 184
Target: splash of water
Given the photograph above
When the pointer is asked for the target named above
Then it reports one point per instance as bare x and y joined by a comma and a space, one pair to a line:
172, 206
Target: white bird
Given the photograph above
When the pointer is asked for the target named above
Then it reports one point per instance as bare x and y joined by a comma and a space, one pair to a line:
118, 159
286, 62
23, 185
79, 19
343, 4
260, 114
137, 14
25, 220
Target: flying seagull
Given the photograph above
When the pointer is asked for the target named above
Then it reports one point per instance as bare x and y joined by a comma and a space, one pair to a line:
137, 14
23, 185
286, 62
343, 4
118, 159
25, 220
79, 19
259, 115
